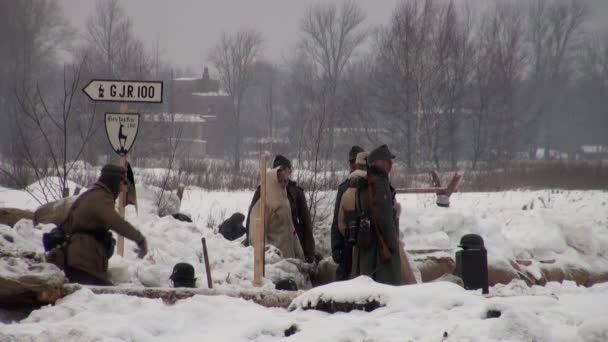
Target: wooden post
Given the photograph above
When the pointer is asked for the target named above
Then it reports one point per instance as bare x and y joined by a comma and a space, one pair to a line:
180, 191
259, 235
207, 268
120, 241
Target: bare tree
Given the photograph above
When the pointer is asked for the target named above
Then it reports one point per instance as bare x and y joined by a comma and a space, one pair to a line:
498, 71
553, 28
397, 48
330, 37
456, 63
112, 47
234, 58
51, 138
32, 32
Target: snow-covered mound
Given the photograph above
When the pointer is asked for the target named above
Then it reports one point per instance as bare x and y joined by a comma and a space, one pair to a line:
570, 228
426, 312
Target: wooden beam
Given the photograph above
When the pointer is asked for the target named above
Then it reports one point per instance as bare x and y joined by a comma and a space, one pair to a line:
259, 235
122, 202
264, 297
420, 190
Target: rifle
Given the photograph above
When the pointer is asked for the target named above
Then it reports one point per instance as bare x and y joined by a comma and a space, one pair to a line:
385, 253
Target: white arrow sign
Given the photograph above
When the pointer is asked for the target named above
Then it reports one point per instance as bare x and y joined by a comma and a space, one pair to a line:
122, 129
125, 91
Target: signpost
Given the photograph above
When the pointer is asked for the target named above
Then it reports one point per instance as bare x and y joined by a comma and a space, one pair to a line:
125, 91
122, 128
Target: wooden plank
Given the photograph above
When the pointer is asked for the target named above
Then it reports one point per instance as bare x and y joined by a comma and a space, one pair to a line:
264, 297
432, 190
259, 225
122, 202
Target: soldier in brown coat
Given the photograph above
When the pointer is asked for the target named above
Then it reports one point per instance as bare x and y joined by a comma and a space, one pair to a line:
88, 226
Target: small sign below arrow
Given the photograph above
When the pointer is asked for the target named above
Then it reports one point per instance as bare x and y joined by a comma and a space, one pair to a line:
125, 91
121, 129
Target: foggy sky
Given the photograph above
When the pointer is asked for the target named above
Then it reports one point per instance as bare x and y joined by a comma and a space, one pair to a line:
187, 29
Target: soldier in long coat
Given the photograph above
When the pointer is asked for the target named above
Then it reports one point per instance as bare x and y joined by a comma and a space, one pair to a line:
369, 261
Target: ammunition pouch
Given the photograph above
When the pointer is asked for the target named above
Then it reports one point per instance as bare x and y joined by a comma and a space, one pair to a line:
54, 243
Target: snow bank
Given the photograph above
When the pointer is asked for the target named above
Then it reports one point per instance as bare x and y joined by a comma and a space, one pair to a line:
570, 227
426, 312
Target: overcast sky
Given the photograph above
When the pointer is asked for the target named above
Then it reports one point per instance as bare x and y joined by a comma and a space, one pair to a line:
187, 29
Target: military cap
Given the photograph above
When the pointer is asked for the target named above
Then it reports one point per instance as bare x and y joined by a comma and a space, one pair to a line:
280, 160
352, 154
380, 153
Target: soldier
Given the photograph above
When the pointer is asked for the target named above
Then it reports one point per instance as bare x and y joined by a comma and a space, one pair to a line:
337, 240
279, 228
89, 221
378, 235
299, 210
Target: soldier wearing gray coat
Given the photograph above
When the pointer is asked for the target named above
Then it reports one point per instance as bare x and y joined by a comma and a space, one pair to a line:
369, 260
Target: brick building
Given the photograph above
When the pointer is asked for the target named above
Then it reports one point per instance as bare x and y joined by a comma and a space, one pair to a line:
200, 111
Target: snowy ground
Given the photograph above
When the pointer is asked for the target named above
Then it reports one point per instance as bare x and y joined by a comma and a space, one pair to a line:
426, 312
568, 226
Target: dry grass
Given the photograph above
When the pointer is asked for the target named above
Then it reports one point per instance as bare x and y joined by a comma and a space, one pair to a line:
535, 175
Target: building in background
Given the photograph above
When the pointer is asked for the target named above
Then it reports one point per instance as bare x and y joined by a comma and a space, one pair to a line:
198, 118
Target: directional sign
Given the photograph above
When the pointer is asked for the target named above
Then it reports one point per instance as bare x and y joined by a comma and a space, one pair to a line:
125, 91
122, 129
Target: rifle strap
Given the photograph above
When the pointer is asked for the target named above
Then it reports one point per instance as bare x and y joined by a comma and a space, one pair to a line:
385, 253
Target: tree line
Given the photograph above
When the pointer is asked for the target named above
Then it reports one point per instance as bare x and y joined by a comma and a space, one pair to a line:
442, 82
445, 82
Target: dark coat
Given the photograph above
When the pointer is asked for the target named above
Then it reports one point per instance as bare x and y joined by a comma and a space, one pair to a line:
92, 211
299, 214
338, 242
368, 261
232, 228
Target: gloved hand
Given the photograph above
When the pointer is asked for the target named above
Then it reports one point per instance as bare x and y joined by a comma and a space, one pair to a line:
142, 248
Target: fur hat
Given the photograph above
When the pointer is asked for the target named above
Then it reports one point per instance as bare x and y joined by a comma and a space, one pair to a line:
361, 160
352, 154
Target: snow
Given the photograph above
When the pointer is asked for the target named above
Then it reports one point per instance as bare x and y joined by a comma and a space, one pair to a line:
213, 93
570, 227
412, 313
175, 117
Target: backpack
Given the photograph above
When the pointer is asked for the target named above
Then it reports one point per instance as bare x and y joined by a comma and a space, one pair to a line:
56, 241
